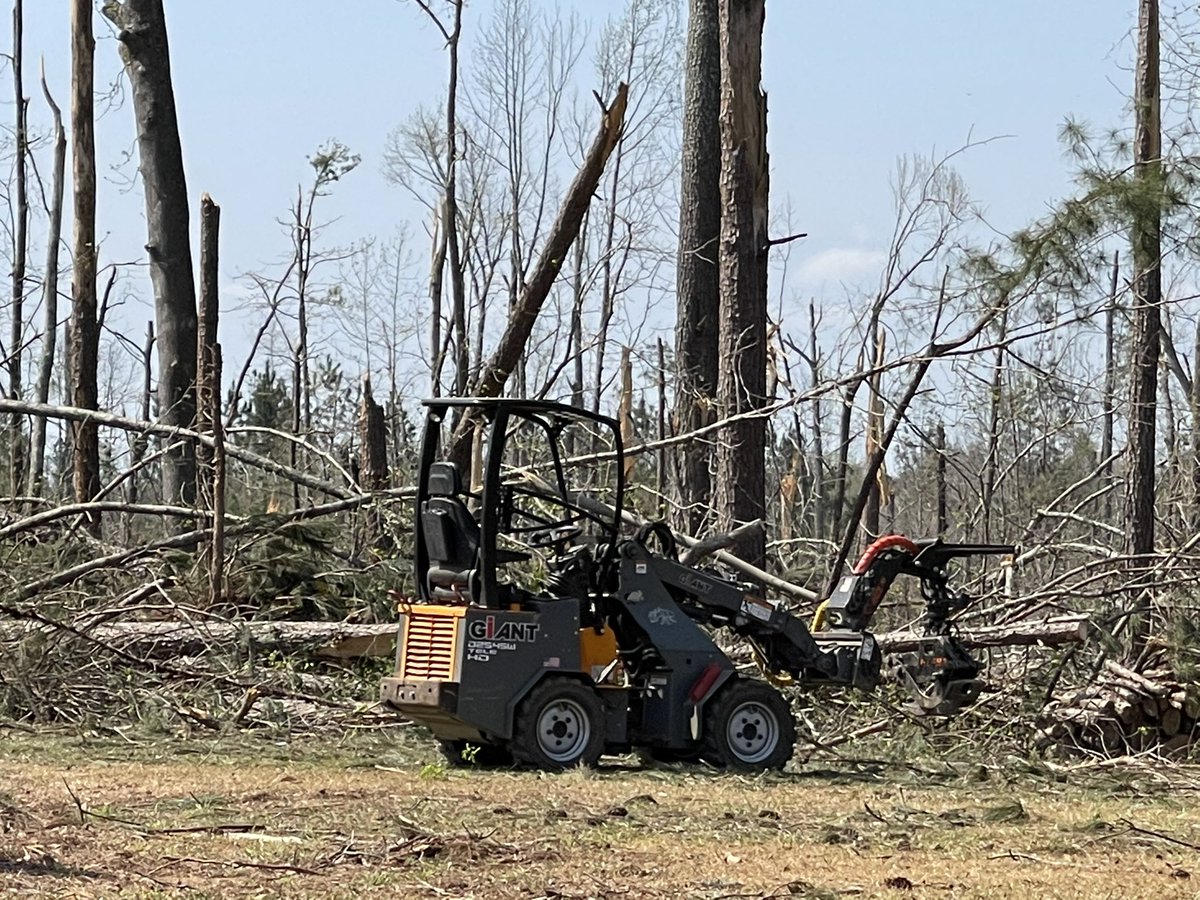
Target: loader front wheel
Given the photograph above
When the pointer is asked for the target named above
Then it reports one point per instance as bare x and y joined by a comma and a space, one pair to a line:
748, 727
559, 725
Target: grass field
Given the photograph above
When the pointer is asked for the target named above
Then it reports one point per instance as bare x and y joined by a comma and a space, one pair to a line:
378, 815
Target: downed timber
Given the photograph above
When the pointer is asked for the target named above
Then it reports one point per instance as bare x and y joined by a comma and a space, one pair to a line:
1045, 632
341, 640
171, 640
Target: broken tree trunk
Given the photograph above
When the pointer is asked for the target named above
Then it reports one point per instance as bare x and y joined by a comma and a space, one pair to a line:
145, 50
562, 235
37, 462
83, 344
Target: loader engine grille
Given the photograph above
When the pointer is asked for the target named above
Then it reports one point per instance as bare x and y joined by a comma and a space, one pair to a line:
430, 645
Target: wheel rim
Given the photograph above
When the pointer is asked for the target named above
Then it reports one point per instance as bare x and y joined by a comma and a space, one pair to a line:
752, 732
563, 731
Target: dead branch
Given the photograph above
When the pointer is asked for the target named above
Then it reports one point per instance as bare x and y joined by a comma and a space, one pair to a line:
711, 544
110, 420
21, 526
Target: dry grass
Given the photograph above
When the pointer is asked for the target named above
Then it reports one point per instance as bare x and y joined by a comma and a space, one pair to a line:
245, 817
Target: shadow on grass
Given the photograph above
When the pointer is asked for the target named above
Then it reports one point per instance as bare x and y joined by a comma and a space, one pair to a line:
43, 865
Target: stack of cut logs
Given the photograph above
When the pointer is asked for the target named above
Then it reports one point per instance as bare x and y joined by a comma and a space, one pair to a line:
1126, 710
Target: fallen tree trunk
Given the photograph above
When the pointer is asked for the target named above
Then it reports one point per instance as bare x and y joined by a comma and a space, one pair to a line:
340, 640
174, 640
1046, 632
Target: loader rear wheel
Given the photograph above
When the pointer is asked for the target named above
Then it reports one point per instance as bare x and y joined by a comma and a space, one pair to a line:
559, 725
748, 727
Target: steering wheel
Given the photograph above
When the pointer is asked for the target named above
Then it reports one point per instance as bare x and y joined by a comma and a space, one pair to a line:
552, 537
666, 538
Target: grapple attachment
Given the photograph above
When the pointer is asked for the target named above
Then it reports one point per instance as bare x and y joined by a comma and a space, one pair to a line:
940, 674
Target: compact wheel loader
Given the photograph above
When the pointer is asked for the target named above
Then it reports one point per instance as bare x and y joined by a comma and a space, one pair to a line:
545, 631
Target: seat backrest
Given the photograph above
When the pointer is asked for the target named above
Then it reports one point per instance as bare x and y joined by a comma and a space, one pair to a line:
444, 480
451, 535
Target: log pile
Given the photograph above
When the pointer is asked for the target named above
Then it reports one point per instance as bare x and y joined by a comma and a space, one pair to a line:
1125, 709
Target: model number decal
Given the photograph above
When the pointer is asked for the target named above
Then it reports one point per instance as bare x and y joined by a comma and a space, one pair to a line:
488, 636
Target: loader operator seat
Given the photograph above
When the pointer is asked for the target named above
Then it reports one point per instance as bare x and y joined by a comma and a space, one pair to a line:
452, 538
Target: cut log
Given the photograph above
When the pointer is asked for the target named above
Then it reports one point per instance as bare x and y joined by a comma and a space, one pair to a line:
1169, 720
336, 640
1191, 706
1048, 632
1153, 688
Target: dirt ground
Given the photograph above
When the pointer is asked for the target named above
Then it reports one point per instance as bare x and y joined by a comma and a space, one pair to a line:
379, 815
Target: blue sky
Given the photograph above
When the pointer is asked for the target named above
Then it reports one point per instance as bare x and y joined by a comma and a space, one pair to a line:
853, 85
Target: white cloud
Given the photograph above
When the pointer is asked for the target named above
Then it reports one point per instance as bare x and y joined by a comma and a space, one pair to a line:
843, 264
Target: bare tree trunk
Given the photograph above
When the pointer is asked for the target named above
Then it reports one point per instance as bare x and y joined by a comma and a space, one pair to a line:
303, 239
458, 290
608, 283
1170, 437
208, 388
697, 291
1110, 386
843, 464
874, 432
943, 521
446, 242
84, 332
140, 441
818, 467
1145, 234
1195, 404
37, 462
661, 456
991, 464
16, 432
216, 550
146, 53
741, 381
576, 337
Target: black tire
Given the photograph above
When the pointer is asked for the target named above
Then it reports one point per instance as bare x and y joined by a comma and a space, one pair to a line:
558, 726
464, 754
748, 727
